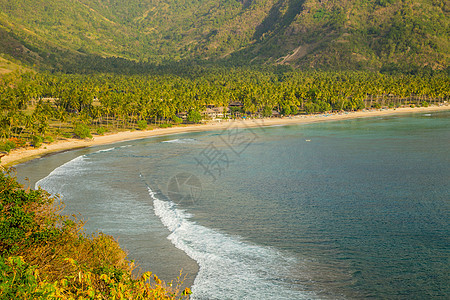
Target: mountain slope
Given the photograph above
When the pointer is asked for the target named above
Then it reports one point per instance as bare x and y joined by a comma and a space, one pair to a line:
337, 34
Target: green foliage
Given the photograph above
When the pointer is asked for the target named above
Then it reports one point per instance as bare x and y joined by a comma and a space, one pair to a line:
17, 280
137, 35
165, 125
101, 130
177, 120
82, 131
267, 111
385, 2
117, 102
37, 141
11, 144
7, 146
194, 116
142, 124
19, 224
311, 108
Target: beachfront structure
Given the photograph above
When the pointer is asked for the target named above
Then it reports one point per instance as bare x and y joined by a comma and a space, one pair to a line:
216, 112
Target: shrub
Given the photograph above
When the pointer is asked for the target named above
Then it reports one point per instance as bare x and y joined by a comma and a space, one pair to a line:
18, 142
165, 125
142, 124
20, 280
425, 104
7, 146
267, 111
36, 141
101, 130
49, 139
177, 120
376, 105
82, 131
194, 116
311, 107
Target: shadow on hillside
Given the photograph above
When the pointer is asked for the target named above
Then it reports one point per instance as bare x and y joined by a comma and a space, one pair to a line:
275, 20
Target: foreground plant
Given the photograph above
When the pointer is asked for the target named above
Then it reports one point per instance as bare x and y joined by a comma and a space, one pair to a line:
44, 255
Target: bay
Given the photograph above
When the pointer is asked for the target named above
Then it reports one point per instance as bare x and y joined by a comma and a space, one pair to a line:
346, 209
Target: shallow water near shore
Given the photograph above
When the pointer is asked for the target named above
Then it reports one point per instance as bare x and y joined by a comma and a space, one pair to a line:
347, 209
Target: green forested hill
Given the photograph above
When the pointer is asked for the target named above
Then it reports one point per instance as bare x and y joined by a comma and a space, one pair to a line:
338, 34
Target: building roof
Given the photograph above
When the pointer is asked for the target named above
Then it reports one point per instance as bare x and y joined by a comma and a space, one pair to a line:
235, 103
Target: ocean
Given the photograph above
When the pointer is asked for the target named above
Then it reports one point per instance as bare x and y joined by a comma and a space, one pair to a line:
348, 209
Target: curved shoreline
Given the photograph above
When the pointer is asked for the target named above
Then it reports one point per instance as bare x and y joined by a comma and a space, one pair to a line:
25, 154
134, 135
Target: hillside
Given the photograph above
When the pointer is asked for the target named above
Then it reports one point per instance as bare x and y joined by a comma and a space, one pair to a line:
44, 255
340, 34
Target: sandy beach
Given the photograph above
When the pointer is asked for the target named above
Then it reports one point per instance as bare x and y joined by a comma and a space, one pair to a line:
24, 154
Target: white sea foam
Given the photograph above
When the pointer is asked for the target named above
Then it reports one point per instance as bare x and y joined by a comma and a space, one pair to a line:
75, 166
277, 125
106, 150
229, 267
181, 141
112, 149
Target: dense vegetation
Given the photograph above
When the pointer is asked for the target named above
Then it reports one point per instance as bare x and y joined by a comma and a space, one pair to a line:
108, 65
44, 255
372, 35
37, 108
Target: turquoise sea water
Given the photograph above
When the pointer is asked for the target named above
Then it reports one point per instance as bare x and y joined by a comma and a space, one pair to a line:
350, 209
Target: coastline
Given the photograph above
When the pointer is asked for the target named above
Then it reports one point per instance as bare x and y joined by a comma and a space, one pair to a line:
25, 154
126, 136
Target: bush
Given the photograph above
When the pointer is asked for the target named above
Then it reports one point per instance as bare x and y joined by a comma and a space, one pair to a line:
311, 107
18, 142
142, 124
7, 146
21, 280
165, 125
36, 141
11, 143
267, 111
82, 131
177, 120
194, 116
425, 104
376, 105
101, 130
49, 139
